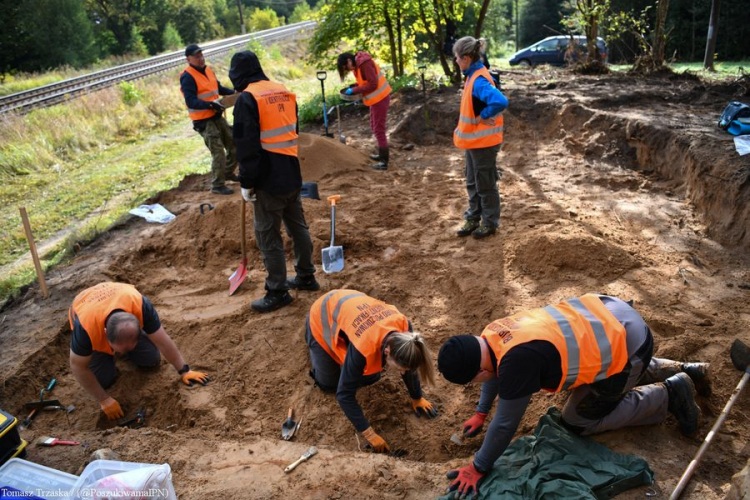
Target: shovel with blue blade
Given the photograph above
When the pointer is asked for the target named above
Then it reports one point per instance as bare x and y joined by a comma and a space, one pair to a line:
333, 256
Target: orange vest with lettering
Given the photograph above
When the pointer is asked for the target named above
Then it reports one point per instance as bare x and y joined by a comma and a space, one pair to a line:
208, 90
277, 108
92, 306
591, 342
471, 133
382, 91
365, 320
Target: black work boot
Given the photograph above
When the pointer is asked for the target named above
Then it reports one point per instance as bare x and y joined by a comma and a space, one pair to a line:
682, 405
467, 228
483, 231
698, 372
375, 156
272, 301
222, 190
383, 157
300, 283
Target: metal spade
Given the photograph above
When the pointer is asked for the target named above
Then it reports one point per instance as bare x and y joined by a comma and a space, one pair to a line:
288, 427
333, 256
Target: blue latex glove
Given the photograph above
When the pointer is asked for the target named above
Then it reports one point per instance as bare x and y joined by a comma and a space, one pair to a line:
349, 91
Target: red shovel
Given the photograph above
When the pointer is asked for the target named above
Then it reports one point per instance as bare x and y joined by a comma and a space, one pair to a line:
239, 275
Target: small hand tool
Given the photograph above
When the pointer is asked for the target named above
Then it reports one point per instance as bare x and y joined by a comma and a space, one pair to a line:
309, 453
52, 441
136, 422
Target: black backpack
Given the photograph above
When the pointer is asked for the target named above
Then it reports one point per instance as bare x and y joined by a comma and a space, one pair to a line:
734, 110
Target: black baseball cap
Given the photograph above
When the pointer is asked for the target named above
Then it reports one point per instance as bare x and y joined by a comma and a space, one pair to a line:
192, 49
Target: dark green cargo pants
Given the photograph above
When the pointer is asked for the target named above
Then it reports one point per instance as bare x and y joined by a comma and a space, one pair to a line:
218, 138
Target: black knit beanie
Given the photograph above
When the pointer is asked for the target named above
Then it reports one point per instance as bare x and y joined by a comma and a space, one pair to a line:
460, 358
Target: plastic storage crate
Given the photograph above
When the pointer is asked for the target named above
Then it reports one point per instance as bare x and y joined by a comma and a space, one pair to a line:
99, 469
40, 481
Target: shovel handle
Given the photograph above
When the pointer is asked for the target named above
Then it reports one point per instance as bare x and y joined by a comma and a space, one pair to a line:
289, 415
333, 199
242, 230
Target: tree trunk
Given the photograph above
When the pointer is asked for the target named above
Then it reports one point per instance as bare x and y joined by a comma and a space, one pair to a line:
242, 21
713, 33
480, 20
400, 34
436, 39
518, 15
391, 38
659, 36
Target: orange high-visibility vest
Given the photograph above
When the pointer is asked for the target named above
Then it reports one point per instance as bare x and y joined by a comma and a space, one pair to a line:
471, 133
92, 306
277, 108
208, 90
382, 91
591, 342
365, 320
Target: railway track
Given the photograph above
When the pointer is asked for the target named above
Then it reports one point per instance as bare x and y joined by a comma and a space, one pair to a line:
48, 95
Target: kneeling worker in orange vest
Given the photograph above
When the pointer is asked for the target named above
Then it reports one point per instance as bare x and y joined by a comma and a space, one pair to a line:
113, 318
352, 338
596, 346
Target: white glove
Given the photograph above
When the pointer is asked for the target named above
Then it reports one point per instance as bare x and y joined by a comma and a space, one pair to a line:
249, 194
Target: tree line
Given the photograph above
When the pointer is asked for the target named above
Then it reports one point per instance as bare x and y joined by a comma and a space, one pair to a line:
44, 34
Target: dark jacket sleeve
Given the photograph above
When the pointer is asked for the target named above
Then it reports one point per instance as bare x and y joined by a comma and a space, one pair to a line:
368, 73
190, 91
223, 90
351, 377
247, 140
151, 321
500, 432
411, 379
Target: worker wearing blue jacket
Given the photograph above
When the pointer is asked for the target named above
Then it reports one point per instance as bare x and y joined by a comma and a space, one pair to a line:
480, 133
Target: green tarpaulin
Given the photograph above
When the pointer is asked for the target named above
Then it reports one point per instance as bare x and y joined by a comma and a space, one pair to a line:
556, 464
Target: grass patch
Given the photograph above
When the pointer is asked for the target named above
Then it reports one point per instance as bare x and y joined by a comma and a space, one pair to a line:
78, 167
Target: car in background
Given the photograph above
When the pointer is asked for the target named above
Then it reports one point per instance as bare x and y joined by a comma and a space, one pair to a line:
552, 51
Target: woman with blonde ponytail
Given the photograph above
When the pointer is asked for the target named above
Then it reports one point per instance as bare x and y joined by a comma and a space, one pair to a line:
352, 339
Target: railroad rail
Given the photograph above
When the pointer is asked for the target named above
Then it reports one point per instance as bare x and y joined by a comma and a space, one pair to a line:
54, 93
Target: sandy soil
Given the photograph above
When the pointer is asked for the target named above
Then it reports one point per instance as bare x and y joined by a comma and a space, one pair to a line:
611, 184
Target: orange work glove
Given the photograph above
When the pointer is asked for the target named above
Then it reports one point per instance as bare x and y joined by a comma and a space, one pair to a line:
377, 442
421, 405
192, 376
111, 408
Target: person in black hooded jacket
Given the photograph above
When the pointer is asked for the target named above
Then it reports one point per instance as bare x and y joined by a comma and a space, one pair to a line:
265, 134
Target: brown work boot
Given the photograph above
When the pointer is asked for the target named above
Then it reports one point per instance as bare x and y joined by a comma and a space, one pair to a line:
681, 394
467, 228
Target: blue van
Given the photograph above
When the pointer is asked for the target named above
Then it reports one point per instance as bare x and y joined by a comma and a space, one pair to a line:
552, 50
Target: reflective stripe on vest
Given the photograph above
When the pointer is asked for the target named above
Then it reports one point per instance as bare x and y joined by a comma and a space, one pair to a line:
208, 90
381, 92
92, 306
277, 110
591, 342
365, 321
471, 133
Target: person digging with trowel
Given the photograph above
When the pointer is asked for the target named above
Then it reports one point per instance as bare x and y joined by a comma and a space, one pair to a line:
111, 318
596, 346
376, 95
352, 339
265, 132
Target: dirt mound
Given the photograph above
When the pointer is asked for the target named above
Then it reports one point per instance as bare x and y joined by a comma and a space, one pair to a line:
569, 254
430, 122
324, 157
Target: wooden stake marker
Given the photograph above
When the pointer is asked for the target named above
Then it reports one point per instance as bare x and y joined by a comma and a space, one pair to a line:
32, 249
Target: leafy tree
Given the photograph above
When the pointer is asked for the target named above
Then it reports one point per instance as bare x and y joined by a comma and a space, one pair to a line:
171, 38
540, 19
136, 45
263, 19
54, 33
302, 12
